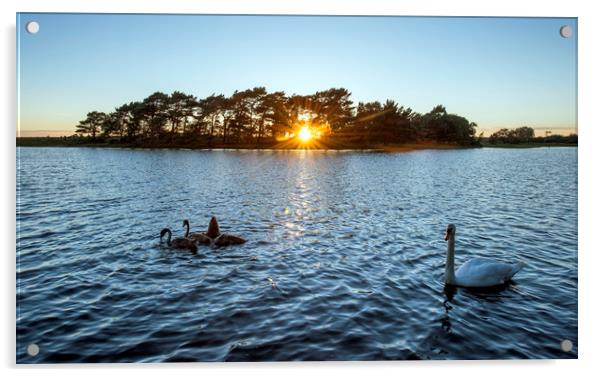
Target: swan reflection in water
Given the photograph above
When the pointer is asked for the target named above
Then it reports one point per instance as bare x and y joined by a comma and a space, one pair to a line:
490, 294
441, 336
449, 291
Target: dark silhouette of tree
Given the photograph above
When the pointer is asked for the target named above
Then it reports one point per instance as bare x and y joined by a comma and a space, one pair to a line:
155, 113
110, 125
241, 117
409, 127
524, 134
499, 136
135, 126
513, 136
391, 122
92, 124
386, 123
440, 126
570, 139
179, 108
434, 125
256, 116
228, 115
211, 115
273, 116
122, 116
333, 106
368, 119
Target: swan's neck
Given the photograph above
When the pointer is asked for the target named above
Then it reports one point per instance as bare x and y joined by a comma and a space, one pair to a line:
450, 276
169, 237
187, 229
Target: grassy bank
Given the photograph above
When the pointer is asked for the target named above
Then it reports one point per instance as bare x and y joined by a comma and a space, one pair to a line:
527, 145
322, 144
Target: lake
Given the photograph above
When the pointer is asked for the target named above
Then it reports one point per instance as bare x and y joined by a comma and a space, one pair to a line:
345, 258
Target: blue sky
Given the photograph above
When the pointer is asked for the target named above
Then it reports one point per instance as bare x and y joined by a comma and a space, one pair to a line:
498, 72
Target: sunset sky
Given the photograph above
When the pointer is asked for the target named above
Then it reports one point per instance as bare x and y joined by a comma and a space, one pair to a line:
497, 72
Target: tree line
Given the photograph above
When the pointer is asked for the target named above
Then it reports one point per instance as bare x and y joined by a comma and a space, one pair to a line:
523, 135
256, 116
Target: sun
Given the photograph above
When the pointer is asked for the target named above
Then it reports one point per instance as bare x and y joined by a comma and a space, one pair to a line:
304, 134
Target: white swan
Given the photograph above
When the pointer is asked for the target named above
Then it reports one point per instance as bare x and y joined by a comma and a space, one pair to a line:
476, 272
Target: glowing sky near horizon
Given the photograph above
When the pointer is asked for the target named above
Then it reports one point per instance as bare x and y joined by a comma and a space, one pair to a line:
497, 72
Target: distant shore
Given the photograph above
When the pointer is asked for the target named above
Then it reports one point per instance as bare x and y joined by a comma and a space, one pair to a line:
326, 145
528, 145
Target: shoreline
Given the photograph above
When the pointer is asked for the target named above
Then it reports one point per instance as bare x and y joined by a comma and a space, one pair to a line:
55, 142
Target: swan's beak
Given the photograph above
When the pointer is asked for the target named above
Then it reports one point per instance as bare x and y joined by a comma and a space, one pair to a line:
446, 237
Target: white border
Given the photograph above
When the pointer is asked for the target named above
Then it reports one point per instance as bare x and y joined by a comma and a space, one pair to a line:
590, 189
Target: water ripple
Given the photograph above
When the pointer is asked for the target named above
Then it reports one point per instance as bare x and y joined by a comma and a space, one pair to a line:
344, 261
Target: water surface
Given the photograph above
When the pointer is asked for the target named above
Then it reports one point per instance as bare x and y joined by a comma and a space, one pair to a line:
345, 257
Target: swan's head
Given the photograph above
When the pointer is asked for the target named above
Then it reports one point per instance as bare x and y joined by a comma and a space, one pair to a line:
450, 231
164, 231
185, 223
